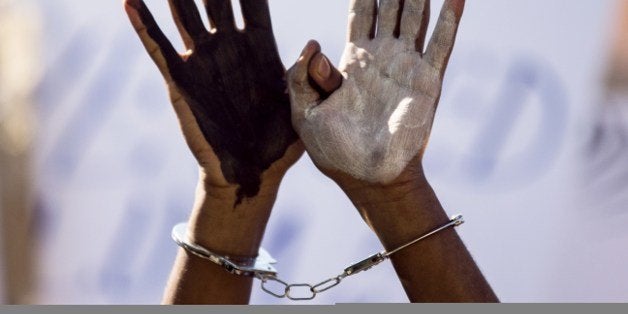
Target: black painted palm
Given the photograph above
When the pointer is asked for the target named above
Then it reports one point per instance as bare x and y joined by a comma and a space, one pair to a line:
228, 88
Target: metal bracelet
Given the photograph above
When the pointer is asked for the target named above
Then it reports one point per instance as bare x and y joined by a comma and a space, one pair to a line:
262, 269
261, 265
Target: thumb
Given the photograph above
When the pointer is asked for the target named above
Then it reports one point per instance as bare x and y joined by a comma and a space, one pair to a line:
327, 78
303, 95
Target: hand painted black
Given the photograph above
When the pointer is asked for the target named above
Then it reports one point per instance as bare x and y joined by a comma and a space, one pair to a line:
234, 84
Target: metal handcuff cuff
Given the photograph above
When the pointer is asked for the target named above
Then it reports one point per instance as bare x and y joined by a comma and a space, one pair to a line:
262, 269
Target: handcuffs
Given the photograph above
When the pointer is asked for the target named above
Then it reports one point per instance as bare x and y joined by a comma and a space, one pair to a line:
262, 268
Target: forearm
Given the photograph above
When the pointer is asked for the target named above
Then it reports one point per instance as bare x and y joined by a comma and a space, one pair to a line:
437, 269
197, 281
226, 230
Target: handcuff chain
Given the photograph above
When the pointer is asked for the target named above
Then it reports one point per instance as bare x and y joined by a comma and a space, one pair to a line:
313, 289
324, 285
355, 268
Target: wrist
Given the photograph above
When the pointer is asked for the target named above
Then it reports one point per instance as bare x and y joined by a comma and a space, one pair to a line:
400, 211
227, 227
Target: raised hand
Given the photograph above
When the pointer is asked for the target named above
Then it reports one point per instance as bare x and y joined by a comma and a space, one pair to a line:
228, 90
378, 123
370, 134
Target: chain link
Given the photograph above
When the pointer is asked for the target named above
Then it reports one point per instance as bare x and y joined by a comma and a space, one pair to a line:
326, 284
265, 280
322, 286
311, 292
288, 291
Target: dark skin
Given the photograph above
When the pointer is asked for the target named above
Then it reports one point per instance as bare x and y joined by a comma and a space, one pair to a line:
440, 268
228, 91
242, 112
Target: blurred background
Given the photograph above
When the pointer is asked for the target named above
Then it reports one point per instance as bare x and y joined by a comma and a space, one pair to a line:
530, 143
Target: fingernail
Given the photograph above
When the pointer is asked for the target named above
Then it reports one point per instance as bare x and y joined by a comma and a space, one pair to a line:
324, 68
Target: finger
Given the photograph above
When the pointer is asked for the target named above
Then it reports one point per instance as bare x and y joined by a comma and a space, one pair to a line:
302, 95
327, 78
154, 40
388, 17
362, 16
220, 13
256, 14
414, 22
442, 41
188, 21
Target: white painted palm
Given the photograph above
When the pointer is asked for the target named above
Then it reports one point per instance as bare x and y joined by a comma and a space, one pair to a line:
381, 117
